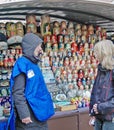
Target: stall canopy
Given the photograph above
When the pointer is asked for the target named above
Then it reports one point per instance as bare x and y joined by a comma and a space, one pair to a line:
96, 12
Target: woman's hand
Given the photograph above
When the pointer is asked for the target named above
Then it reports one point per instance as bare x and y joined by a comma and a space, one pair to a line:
95, 108
27, 120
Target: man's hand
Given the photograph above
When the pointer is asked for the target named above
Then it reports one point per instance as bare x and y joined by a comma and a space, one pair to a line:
27, 120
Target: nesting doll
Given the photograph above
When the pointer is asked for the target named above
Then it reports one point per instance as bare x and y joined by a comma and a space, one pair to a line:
70, 28
8, 29
12, 29
2, 28
19, 29
45, 25
56, 28
104, 34
31, 24
63, 28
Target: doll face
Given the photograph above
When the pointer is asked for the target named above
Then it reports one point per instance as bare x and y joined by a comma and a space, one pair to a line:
56, 24
78, 26
66, 38
83, 39
63, 24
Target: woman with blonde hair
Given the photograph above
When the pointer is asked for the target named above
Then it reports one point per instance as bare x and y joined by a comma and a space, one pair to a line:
102, 97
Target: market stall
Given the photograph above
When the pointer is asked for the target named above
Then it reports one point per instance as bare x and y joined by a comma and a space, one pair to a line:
68, 64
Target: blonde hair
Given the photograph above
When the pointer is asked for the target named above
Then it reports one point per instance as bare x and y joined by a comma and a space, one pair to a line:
105, 53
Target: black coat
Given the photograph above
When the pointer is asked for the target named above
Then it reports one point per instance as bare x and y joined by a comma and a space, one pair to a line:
103, 95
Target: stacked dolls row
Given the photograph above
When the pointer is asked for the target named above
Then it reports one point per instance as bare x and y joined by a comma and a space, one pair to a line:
69, 53
7, 60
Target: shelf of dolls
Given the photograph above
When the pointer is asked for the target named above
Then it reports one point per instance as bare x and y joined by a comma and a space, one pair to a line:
7, 59
69, 53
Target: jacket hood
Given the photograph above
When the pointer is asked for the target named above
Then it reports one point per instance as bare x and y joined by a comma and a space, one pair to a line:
29, 42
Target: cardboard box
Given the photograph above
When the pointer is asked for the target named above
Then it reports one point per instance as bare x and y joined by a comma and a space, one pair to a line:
67, 107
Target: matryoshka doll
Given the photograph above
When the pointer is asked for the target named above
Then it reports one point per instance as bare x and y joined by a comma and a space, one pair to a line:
1, 60
88, 81
71, 62
79, 82
88, 63
2, 28
84, 81
60, 64
91, 46
98, 33
19, 29
91, 72
45, 25
48, 47
83, 39
5, 61
77, 27
93, 62
104, 34
12, 29
61, 47
78, 65
48, 44
64, 73
71, 91
55, 47
47, 38
69, 74
78, 32
90, 32
66, 39
75, 74
54, 43
93, 39
8, 29
46, 61
56, 28
80, 48
60, 38
86, 47
86, 72
93, 79
80, 74
82, 63
57, 73
60, 42
11, 61
68, 47
54, 39
31, 24
63, 28
66, 61
70, 28
72, 38
84, 30
74, 47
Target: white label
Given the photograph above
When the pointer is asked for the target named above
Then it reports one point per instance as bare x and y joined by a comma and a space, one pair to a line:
30, 74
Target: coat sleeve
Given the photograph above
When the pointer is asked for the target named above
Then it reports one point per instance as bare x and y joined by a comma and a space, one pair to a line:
92, 100
19, 99
106, 107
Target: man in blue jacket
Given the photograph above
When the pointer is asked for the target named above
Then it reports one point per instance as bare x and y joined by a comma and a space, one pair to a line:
31, 102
